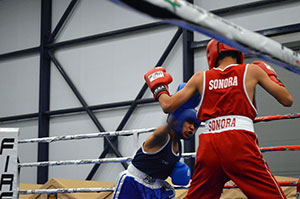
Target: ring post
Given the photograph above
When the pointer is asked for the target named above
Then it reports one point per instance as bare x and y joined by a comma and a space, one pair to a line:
9, 163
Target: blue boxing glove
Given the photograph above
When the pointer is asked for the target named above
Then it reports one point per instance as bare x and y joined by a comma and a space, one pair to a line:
181, 174
193, 102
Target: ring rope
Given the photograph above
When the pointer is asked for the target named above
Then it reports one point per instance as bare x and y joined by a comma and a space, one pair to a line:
138, 131
280, 148
86, 136
76, 162
68, 190
111, 189
128, 159
277, 117
194, 18
281, 183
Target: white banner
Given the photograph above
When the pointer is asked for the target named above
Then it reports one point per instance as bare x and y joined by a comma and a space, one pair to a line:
9, 163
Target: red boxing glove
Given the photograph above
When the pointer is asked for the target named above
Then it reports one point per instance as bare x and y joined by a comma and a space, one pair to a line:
270, 71
158, 80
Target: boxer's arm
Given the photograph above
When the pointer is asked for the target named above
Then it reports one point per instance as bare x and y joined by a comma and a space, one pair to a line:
170, 103
270, 71
157, 139
280, 93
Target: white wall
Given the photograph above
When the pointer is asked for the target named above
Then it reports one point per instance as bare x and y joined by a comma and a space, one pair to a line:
112, 70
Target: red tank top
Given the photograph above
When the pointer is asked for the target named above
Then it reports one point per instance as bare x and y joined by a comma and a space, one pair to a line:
224, 93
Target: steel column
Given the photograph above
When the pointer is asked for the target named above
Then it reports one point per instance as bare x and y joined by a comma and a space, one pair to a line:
44, 97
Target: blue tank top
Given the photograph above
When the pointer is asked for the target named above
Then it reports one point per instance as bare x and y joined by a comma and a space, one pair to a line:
159, 164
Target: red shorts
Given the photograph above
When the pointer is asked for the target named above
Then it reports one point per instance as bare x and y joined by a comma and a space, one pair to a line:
232, 155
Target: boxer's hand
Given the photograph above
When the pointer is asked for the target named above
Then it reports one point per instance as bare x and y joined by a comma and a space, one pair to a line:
181, 174
270, 71
158, 80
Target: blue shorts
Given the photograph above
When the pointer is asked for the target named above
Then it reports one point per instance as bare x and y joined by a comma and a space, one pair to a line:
134, 184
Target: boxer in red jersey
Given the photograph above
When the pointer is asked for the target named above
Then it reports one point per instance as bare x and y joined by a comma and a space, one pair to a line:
228, 147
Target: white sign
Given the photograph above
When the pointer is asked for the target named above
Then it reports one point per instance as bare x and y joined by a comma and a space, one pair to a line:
9, 163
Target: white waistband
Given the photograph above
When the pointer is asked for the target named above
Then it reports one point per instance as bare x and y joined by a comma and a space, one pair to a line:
143, 178
225, 123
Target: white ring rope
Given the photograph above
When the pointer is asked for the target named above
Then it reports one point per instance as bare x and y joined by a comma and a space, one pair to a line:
135, 131
86, 136
68, 190
76, 162
128, 159
88, 161
76, 190
194, 18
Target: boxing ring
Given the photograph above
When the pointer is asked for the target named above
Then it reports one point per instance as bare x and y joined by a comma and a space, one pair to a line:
7, 144
181, 14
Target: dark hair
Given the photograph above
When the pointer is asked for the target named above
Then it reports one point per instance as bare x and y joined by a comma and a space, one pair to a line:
233, 54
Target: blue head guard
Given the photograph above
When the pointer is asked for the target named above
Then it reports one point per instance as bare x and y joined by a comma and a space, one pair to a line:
185, 112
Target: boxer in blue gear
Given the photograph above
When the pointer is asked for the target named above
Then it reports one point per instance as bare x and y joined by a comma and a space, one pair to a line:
158, 158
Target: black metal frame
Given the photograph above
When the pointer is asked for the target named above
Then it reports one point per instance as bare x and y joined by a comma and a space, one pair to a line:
44, 97
48, 46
